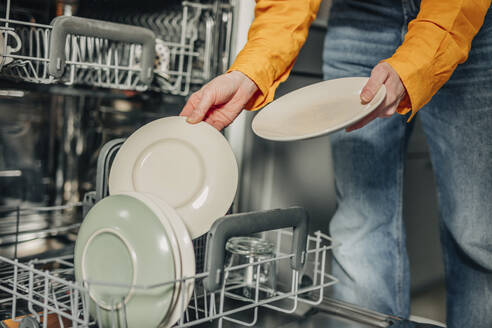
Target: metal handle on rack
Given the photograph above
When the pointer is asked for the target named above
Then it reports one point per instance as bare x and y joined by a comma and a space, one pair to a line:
249, 223
64, 25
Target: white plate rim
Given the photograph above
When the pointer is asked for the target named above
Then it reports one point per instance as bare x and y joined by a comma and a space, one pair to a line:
188, 267
373, 105
120, 175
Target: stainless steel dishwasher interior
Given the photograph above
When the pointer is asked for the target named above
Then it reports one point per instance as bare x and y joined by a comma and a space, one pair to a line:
52, 130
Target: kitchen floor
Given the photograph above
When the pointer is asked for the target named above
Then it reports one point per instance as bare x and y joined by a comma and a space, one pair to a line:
430, 303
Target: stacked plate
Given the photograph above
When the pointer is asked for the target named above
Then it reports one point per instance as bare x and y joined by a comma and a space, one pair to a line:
168, 183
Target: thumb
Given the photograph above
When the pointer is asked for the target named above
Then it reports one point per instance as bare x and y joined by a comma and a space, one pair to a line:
378, 76
201, 109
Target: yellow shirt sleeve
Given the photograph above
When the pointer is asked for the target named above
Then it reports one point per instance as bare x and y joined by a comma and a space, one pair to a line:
438, 39
275, 37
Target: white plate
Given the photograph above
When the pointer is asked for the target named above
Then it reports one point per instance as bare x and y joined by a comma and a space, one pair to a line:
191, 167
187, 255
315, 110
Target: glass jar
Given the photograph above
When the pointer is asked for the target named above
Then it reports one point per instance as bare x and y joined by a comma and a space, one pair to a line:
246, 251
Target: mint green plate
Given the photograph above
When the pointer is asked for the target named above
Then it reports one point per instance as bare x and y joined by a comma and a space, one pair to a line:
121, 251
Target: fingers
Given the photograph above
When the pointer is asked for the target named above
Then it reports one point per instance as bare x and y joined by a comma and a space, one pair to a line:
226, 95
221, 118
385, 110
382, 73
218, 123
190, 105
378, 76
388, 112
205, 101
363, 122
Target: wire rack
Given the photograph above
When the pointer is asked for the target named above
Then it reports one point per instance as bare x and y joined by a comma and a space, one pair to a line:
184, 49
45, 291
23, 224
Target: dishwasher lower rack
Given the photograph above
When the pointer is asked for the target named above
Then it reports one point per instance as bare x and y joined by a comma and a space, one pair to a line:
168, 51
44, 291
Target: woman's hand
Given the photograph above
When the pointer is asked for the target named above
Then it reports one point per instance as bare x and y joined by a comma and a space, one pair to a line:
221, 100
381, 74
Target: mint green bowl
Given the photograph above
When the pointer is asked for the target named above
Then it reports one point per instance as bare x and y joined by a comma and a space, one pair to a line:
122, 251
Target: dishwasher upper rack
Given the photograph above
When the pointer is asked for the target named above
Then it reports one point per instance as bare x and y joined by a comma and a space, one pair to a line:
185, 46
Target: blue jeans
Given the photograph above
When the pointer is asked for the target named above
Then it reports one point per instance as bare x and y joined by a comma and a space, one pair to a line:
372, 263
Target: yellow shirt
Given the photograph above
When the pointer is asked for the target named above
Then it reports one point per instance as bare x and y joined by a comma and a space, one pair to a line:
438, 39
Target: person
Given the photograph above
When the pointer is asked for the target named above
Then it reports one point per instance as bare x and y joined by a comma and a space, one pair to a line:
430, 55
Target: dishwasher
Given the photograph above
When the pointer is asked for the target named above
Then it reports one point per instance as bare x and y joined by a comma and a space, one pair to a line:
112, 57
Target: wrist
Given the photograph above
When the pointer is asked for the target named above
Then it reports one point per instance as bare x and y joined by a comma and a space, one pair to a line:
244, 82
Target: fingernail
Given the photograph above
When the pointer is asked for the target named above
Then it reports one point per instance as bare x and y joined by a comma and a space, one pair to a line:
364, 96
189, 119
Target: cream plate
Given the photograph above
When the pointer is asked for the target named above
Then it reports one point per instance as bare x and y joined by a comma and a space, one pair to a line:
187, 256
191, 167
315, 110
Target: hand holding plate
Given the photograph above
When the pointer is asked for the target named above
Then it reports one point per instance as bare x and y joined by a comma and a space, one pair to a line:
382, 74
221, 100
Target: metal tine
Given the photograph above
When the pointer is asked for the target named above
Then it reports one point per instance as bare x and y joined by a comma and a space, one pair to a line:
186, 314
177, 22
169, 28
71, 303
142, 20
152, 21
173, 31
114, 317
82, 47
161, 28
123, 313
14, 290
116, 63
99, 72
86, 306
133, 20
212, 305
316, 257
75, 56
196, 302
30, 297
46, 39
90, 48
108, 62
131, 61
45, 312
55, 303
98, 312
205, 297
